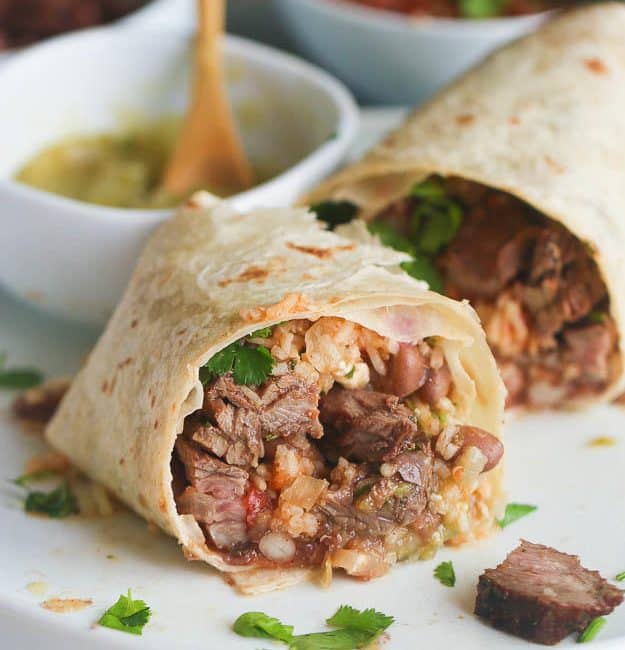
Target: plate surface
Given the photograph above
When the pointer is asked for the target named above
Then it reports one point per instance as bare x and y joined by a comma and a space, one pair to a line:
580, 491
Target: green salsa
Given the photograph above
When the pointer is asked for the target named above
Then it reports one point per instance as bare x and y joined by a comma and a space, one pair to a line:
121, 169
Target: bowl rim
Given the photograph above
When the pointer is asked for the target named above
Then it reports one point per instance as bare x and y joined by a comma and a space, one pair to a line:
347, 120
394, 21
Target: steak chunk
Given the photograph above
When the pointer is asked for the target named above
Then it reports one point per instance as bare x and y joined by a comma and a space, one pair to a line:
215, 496
543, 595
365, 425
234, 418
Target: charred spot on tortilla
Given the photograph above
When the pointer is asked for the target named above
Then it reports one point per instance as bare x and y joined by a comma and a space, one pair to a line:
321, 253
347, 452
535, 285
596, 66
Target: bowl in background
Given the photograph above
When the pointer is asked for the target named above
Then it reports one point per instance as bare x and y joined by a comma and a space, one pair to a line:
389, 58
74, 258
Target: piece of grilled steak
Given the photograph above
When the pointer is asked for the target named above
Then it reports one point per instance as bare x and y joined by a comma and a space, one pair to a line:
543, 595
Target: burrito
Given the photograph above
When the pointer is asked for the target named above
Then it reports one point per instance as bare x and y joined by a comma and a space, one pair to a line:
284, 402
508, 189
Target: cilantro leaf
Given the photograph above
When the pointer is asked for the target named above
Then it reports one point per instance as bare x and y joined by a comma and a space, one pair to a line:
248, 364
596, 317
252, 365
619, 577
481, 8
390, 237
343, 639
445, 574
33, 477
422, 268
357, 629
435, 223
263, 333
592, 629
220, 363
261, 626
126, 615
367, 620
335, 213
428, 189
58, 503
17, 378
515, 511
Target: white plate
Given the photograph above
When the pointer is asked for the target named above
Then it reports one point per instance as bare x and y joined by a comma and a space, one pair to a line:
579, 489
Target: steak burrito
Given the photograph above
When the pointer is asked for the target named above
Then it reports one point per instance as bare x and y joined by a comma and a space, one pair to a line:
282, 399
508, 189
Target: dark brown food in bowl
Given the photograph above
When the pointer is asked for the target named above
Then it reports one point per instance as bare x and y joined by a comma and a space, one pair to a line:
543, 595
23, 22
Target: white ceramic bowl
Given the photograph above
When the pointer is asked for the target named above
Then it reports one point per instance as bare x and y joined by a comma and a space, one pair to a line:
388, 58
74, 258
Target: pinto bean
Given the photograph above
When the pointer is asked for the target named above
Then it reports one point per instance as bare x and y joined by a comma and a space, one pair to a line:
407, 371
486, 442
436, 385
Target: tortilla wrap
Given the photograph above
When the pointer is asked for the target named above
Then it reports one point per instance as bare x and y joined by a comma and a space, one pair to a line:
542, 119
206, 278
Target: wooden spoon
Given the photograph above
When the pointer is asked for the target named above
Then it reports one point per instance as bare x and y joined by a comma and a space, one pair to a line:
208, 152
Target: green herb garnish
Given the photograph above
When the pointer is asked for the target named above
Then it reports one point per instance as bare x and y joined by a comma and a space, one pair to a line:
127, 615
592, 629
350, 373
515, 511
436, 219
58, 503
249, 364
445, 574
263, 333
596, 317
18, 378
356, 629
480, 8
261, 626
26, 479
335, 213
619, 577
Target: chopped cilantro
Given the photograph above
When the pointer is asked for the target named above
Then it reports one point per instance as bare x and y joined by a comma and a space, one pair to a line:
261, 626
445, 574
592, 629
422, 268
357, 629
58, 503
367, 620
515, 511
350, 373
18, 378
26, 479
619, 577
248, 364
596, 317
481, 8
263, 333
270, 436
335, 213
428, 189
390, 237
126, 615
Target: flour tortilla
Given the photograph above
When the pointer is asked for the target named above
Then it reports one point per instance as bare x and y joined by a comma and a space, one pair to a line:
208, 277
542, 119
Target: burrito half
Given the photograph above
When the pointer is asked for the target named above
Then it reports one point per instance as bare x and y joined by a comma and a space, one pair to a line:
281, 399
508, 189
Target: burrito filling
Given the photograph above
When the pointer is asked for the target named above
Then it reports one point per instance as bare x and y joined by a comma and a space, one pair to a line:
324, 444
536, 287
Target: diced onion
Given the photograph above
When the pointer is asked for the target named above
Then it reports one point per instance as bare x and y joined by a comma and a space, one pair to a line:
277, 547
357, 563
304, 492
